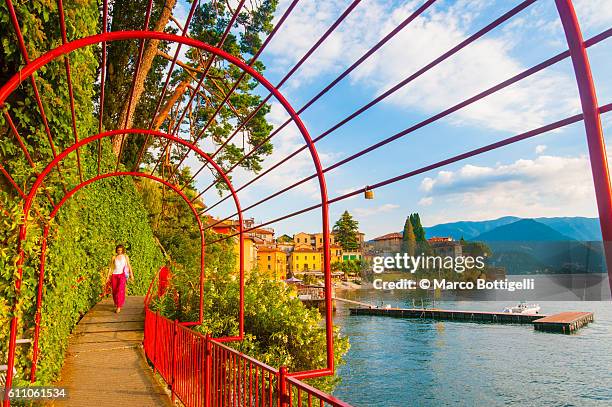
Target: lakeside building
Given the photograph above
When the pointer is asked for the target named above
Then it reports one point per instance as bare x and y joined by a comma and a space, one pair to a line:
389, 243
305, 259
445, 246
251, 240
278, 257
336, 253
307, 252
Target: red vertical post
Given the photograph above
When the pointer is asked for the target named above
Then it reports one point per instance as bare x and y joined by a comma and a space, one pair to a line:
207, 369
202, 267
241, 277
282, 387
592, 124
173, 366
155, 343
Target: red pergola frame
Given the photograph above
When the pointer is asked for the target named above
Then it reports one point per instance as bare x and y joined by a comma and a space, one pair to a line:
43, 256
591, 112
65, 49
39, 182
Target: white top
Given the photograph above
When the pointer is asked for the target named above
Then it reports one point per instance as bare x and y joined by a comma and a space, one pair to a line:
120, 262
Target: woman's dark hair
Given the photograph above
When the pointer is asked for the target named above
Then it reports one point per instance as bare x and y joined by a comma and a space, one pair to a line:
119, 246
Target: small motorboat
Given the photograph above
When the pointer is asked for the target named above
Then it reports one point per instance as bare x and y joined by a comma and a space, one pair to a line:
523, 308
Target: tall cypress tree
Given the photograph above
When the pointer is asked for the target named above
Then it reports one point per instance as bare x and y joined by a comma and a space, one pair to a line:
409, 238
419, 231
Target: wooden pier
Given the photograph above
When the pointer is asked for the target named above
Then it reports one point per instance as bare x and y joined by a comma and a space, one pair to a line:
565, 322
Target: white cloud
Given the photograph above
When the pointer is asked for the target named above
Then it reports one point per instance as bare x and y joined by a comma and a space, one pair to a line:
365, 212
301, 166
540, 148
427, 201
546, 186
594, 13
484, 63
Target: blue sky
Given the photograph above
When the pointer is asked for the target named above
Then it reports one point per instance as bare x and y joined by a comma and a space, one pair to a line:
548, 175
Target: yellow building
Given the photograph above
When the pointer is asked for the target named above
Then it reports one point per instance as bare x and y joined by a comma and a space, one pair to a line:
272, 261
305, 259
318, 240
336, 253
303, 239
250, 253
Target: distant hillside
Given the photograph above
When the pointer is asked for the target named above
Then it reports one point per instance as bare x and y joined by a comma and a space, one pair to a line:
528, 246
467, 229
524, 230
578, 228
575, 228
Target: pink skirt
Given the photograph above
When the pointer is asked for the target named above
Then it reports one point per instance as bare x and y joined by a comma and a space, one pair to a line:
118, 285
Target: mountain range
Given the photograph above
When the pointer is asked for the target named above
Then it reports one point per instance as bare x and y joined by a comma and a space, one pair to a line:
531, 246
566, 228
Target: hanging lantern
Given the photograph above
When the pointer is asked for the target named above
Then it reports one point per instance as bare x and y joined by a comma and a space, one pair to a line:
369, 194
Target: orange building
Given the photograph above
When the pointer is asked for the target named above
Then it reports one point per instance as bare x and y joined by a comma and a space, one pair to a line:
272, 261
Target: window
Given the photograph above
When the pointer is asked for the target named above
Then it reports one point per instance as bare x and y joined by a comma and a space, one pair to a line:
269, 268
269, 258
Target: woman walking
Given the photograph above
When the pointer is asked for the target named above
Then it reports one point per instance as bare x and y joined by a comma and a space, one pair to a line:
120, 270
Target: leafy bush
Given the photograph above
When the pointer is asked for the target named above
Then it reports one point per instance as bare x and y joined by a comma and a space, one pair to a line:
279, 329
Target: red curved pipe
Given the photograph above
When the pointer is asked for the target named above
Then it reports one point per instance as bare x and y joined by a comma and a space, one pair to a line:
43, 254
33, 66
592, 124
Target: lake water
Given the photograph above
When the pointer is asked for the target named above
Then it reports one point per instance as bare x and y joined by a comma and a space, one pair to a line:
408, 362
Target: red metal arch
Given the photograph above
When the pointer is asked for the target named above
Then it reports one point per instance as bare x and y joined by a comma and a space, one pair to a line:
585, 86
43, 254
66, 48
592, 124
39, 181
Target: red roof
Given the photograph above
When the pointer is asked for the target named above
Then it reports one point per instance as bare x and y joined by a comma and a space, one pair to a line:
436, 239
262, 231
389, 236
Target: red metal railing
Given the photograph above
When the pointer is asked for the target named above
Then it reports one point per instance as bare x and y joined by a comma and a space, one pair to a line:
201, 371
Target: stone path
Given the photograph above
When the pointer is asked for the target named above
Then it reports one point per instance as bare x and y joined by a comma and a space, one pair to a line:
105, 365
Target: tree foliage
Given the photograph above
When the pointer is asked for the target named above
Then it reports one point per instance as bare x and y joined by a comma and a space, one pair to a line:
419, 231
408, 238
414, 240
346, 229
208, 25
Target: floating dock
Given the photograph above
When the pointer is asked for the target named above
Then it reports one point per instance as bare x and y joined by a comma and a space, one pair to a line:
565, 322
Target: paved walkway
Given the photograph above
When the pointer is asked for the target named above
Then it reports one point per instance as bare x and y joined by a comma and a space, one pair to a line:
105, 365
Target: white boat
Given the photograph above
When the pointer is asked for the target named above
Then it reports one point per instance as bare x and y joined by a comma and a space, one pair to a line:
523, 308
